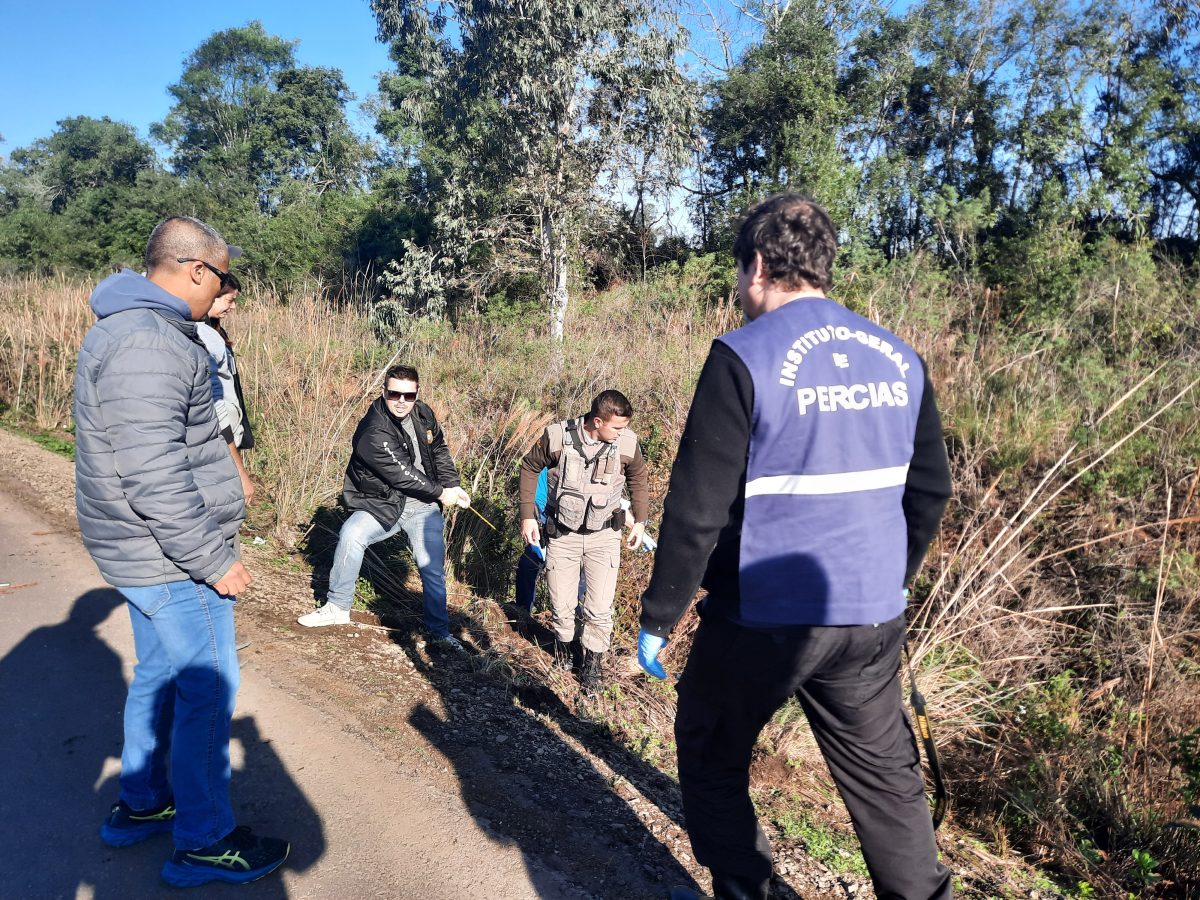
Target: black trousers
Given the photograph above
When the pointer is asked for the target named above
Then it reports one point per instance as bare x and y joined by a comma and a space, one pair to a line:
846, 680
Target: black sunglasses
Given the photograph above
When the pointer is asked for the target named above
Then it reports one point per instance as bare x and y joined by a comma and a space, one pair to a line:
224, 277
406, 396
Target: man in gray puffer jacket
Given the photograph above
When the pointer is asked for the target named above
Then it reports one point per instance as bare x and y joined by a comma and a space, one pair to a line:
159, 504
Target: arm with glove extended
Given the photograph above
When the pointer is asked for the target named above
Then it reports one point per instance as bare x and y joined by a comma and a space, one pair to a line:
706, 481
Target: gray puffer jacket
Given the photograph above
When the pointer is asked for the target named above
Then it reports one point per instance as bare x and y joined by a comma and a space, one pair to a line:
157, 494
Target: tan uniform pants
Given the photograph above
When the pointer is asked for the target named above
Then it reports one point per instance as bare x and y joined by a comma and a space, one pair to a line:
599, 554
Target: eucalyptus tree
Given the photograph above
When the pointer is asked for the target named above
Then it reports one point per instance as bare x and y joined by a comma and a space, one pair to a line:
1147, 150
525, 110
875, 84
777, 121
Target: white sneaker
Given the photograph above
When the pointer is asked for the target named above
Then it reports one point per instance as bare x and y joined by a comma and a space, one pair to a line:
329, 614
449, 642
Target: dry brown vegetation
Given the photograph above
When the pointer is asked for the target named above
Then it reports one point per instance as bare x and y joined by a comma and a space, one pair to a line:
1056, 623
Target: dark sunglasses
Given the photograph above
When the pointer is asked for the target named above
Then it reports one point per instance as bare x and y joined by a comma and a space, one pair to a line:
224, 277
406, 396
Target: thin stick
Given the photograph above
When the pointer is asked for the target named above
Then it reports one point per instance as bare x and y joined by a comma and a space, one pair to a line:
483, 520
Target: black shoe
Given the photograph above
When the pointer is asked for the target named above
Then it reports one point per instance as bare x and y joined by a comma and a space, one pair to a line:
237, 858
739, 887
562, 656
590, 673
725, 887
126, 825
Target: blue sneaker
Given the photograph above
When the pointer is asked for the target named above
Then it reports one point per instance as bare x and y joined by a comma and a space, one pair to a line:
237, 858
126, 825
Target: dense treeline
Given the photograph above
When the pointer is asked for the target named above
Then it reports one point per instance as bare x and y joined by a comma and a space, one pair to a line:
518, 159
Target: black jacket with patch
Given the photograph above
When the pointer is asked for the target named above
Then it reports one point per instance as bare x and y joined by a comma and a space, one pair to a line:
381, 475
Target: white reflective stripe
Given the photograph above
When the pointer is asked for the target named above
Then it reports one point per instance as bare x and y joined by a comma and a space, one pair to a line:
837, 483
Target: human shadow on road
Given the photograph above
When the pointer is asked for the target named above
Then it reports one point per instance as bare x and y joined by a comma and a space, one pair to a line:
526, 785
63, 696
523, 782
65, 693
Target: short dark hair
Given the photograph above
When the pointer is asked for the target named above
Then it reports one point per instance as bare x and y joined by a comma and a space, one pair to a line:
795, 238
611, 403
183, 236
401, 373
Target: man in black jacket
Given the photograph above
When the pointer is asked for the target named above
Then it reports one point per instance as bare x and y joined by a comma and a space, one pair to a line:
810, 480
399, 477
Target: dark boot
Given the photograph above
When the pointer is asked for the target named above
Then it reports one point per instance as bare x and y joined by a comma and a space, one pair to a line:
725, 887
739, 887
562, 656
589, 674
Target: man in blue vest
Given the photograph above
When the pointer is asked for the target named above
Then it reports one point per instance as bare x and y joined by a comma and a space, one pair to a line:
810, 479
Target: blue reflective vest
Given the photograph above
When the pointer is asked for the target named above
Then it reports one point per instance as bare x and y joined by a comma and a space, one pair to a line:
836, 397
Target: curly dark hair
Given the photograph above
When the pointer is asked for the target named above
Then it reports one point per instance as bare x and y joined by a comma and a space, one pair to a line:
795, 237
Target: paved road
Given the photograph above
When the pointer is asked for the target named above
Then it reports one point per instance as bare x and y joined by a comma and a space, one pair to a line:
359, 828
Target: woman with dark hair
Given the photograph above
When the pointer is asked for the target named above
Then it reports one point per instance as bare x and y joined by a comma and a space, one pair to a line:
226, 383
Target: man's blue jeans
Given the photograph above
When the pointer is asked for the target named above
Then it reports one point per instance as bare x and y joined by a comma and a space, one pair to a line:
180, 705
423, 525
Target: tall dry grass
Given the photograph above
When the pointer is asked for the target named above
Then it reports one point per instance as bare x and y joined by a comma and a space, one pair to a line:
1057, 618
308, 372
1057, 621
42, 322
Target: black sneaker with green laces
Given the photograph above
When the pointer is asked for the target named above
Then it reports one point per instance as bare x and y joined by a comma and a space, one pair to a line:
126, 825
237, 858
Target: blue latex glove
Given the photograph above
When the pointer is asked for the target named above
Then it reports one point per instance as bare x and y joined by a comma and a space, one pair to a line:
649, 646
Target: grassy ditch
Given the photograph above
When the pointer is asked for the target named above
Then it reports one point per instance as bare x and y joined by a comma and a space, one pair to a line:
1055, 624
59, 442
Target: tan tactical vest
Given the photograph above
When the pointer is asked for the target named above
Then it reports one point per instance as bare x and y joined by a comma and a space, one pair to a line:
585, 491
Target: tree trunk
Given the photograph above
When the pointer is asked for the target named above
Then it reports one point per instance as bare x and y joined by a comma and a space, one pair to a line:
554, 265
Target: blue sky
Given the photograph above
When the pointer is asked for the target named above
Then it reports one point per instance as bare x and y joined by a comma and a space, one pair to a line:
116, 59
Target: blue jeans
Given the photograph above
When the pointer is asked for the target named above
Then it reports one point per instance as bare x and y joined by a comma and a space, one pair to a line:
422, 524
180, 705
529, 567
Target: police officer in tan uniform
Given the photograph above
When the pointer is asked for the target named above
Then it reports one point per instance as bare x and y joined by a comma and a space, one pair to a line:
591, 459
